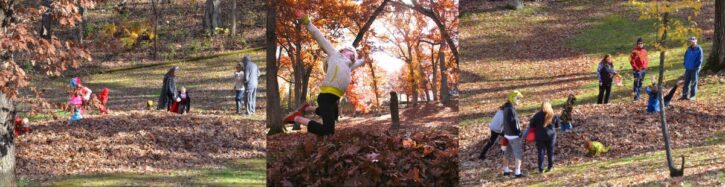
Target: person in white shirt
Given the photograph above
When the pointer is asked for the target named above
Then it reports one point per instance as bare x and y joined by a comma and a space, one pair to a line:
239, 83
340, 64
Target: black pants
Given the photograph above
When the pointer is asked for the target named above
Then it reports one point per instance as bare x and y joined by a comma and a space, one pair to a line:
667, 98
328, 110
491, 141
546, 147
604, 91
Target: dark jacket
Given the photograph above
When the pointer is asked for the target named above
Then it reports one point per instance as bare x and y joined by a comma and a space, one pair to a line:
510, 120
168, 91
185, 104
544, 133
605, 72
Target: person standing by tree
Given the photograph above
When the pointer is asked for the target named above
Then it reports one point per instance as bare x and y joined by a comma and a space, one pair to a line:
606, 73
168, 89
239, 83
251, 73
340, 65
639, 62
693, 65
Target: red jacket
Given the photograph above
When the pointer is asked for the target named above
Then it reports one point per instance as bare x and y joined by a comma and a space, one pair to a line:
639, 59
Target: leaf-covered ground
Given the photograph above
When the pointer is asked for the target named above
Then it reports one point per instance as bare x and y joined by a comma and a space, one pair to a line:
130, 142
365, 152
550, 49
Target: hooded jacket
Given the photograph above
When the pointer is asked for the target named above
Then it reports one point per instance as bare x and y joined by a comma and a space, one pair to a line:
693, 58
251, 73
638, 59
167, 89
339, 68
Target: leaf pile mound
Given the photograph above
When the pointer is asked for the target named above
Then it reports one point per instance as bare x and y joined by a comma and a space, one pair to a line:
627, 128
363, 157
136, 141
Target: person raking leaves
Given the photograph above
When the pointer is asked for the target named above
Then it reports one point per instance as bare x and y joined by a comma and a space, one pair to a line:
340, 64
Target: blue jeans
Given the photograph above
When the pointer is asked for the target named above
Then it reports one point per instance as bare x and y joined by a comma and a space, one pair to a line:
691, 77
637, 87
238, 98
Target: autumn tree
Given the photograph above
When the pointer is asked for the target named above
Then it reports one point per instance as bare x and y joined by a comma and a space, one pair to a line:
20, 46
716, 61
666, 28
274, 111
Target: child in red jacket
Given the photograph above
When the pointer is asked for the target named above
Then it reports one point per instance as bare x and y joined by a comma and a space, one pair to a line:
22, 126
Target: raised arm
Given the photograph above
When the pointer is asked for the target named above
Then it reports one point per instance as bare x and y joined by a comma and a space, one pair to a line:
321, 40
357, 64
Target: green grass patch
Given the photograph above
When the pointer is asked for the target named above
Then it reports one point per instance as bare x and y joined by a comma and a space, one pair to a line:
247, 172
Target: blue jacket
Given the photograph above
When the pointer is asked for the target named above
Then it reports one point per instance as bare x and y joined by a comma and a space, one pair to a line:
653, 104
251, 71
693, 58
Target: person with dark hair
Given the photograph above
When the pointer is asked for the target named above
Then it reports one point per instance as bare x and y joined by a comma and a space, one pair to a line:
639, 61
168, 90
605, 73
496, 127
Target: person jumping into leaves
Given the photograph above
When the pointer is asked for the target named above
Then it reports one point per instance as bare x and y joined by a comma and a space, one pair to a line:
340, 64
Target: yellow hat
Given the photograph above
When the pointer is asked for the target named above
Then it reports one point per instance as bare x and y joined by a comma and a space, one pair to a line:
513, 95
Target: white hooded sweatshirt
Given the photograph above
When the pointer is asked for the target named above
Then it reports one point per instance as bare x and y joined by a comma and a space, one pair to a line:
339, 69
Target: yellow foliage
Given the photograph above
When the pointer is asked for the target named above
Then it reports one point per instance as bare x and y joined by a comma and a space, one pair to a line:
675, 29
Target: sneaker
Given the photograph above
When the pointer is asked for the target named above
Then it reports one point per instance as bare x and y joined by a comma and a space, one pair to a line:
506, 174
548, 170
520, 175
291, 118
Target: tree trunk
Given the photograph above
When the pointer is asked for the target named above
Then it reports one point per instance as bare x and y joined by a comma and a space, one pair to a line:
81, 23
434, 83
156, 28
394, 114
375, 84
274, 112
370, 21
516, 4
234, 18
211, 15
46, 30
7, 142
674, 172
444, 76
716, 61
413, 85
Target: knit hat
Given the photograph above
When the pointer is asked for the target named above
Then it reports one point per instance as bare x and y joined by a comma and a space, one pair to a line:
513, 95
640, 40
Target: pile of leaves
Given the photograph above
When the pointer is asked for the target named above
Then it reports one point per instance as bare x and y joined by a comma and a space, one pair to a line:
360, 157
627, 128
136, 141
